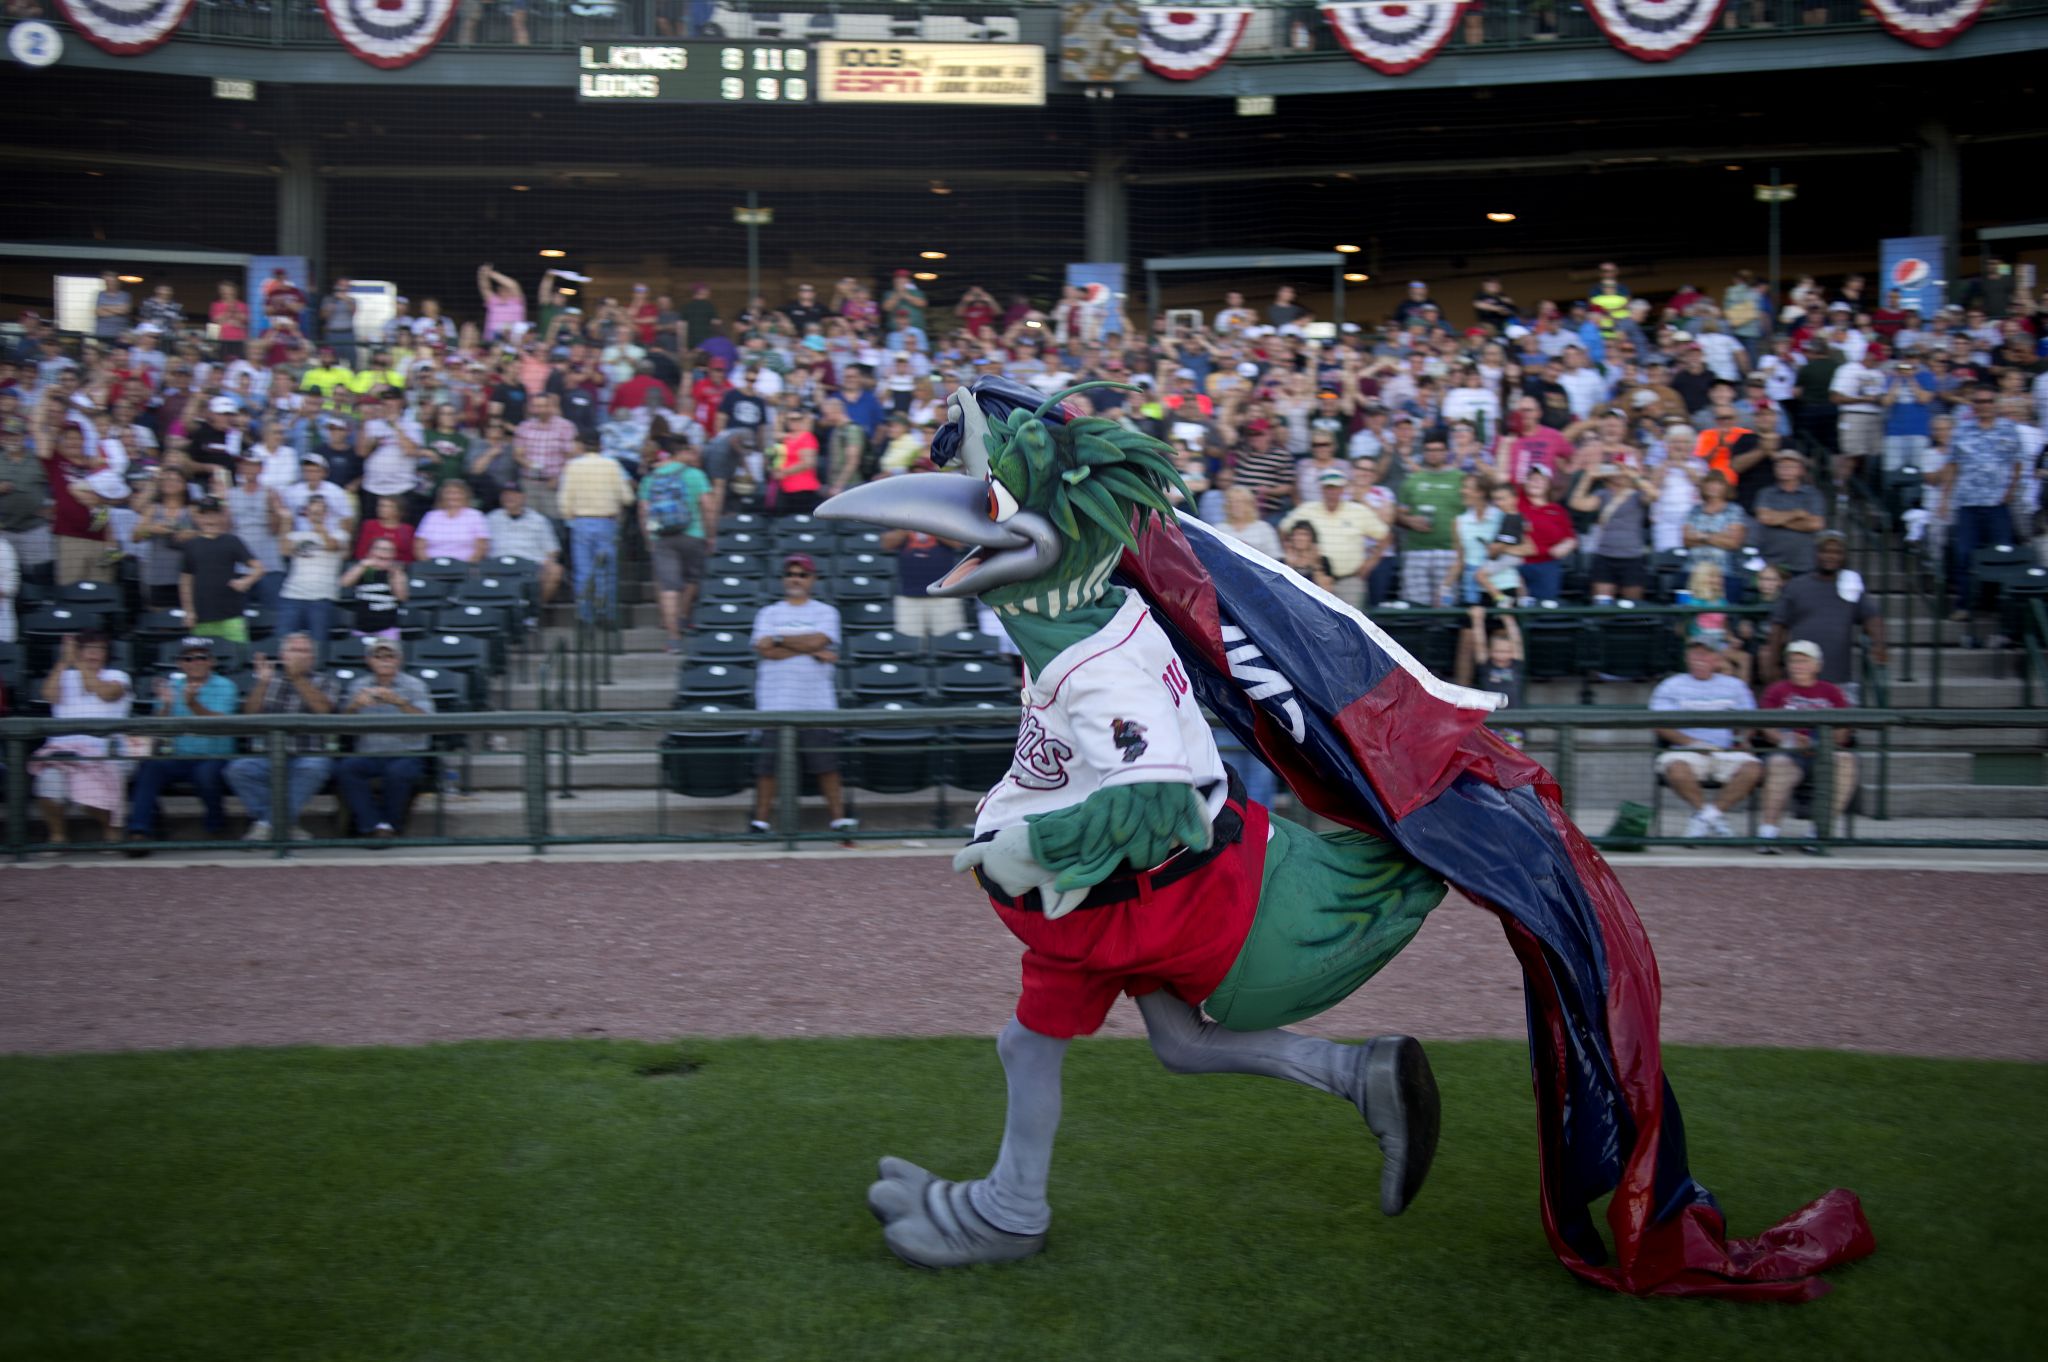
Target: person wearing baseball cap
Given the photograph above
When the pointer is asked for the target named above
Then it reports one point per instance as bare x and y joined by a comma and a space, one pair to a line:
220, 438
797, 640
1789, 513
196, 691
387, 757
1790, 763
316, 480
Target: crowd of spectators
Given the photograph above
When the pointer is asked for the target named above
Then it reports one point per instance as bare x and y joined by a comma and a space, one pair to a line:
1488, 454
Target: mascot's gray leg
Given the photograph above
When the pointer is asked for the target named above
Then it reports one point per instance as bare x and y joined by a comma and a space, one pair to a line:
1387, 1079
930, 1222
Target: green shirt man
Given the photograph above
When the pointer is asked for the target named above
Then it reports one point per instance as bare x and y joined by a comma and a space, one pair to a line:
1435, 492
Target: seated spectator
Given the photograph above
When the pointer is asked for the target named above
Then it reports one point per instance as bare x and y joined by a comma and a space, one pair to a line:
1790, 514
313, 556
520, 532
218, 574
453, 529
390, 757
389, 523
675, 502
1786, 768
1618, 496
1706, 586
296, 688
76, 768
1826, 605
1701, 757
1302, 550
1240, 520
381, 589
797, 640
196, 691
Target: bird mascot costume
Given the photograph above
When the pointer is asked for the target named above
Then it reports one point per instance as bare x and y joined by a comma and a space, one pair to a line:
1121, 850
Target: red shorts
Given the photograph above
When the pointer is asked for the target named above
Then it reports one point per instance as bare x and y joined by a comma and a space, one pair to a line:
1183, 938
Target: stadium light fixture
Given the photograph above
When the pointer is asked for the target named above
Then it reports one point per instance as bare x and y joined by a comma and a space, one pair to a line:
131, 278
1356, 278
924, 276
941, 188
521, 188
1347, 250
552, 254
1500, 217
931, 255
566, 292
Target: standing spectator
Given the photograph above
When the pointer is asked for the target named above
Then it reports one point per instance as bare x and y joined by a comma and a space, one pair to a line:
1264, 469
518, 531
797, 639
338, 321
675, 511
78, 521
1344, 529
1584, 385
22, 494
1789, 514
256, 515
1699, 757
196, 691
160, 310
794, 468
1825, 606
922, 559
545, 442
1813, 411
217, 576
1716, 528
298, 687
313, 556
1977, 483
228, 318
493, 464
1857, 390
391, 757
504, 304
381, 589
1240, 520
166, 521
76, 768
700, 318
10, 587
725, 458
1552, 541
1618, 497
389, 523
1431, 498
1786, 768
112, 307
594, 491
454, 528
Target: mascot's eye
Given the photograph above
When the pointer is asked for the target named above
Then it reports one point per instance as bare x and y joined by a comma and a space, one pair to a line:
1001, 505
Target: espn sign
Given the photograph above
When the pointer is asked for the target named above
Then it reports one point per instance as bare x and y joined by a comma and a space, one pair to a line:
931, 73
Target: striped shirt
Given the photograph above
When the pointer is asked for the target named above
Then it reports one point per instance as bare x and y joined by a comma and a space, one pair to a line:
804, 681
530, 536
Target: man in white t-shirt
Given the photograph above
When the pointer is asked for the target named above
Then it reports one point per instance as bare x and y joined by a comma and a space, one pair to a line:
797, 640
1705, 756
312, 483
1585, 387
1857, 391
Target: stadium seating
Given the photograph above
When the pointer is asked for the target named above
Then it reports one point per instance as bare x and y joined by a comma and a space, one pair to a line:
709, 765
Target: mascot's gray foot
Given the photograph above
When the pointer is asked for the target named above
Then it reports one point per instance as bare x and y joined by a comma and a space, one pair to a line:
1396, 1093
929, 1222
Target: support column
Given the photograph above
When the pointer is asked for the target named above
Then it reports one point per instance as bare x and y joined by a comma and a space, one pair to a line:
302, 208
1109, 208
1938, 197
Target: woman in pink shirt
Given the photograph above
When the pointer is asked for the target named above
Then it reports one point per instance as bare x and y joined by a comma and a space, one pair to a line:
504, 304
230, 318
453, 529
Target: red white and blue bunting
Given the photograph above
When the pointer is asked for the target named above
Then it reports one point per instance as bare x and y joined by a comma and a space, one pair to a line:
389, 33
1927, 23
125, 28
1654, 30
1184, 44
1394, 37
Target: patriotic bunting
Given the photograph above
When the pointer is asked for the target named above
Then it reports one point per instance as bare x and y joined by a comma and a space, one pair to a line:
1185, 44
389, 33
125, 28
1394, 37
1927, 23
1654, 30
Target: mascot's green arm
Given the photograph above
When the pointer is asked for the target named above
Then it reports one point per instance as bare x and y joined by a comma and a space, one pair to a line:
1140, 824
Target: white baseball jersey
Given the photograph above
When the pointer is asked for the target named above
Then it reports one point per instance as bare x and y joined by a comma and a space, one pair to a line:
1114, 709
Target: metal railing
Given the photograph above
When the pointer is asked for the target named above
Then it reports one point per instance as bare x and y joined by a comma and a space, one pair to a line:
1588, 751
1280, 32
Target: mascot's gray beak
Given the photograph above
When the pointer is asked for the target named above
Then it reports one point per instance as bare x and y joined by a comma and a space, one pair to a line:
953, 506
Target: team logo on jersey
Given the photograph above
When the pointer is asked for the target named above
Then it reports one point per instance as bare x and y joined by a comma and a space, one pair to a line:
125, 27
1129, 738
389, 33
1042, 759
1655, 30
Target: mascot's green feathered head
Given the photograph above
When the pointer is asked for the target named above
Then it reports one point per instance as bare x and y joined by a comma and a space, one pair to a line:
1047, 499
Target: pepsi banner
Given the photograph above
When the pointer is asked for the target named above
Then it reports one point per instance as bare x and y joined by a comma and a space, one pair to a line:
1914, 266
1365, 736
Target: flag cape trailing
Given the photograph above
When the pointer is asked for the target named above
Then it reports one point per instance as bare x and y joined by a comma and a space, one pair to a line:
1366, 737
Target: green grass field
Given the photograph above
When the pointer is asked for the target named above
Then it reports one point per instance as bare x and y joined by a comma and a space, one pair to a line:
581, 1200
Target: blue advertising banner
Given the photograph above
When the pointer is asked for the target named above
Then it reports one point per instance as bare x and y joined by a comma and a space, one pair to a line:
1913, 266
278, 289
1102, 298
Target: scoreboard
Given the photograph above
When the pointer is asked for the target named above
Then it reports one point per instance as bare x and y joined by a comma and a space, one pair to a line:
694, 73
